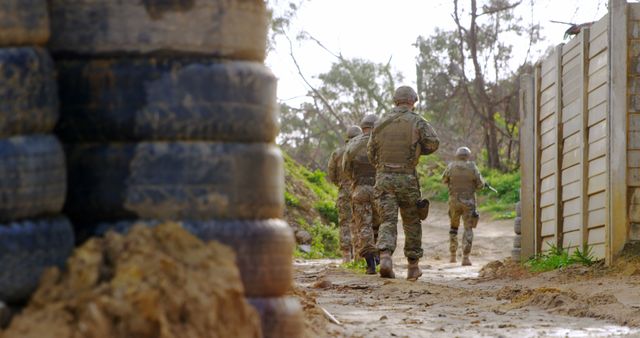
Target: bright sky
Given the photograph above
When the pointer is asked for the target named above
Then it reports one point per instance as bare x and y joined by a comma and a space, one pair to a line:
381, 29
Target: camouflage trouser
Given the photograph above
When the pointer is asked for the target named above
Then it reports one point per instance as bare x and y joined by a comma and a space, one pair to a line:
465, 210
344, 218
393, 191
365, 220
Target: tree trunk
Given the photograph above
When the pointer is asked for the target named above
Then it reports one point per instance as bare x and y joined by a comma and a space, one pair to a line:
491, 144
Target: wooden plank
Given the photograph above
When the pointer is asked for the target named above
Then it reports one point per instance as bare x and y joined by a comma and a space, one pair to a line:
570, 50
572, 207
547, 155
634, 140
537, 198
547, 109
547, 95
633, 158
634, 122
548, 242
599, 77
571, 191
597, 166
547, 81
598, 131
571, 110
598, 113
547, 140
571, 239
584, 196
597, 149
548, 213
548, 228
548, 198
548, 184
572, 126
598, 44
598, 251
633, 177
597, 183
547, 169
617, 224
571, 73
598, 96
597, 235
572, 93
547, 124
572, 142
596, 63
597, 218
528, 197
571, 158
571, 175
558, 147
597, 201
548, 65
600, 26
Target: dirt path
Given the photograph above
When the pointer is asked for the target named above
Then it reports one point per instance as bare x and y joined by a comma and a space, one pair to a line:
447, 301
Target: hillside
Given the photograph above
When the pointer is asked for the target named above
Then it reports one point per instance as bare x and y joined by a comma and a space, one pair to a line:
311, 210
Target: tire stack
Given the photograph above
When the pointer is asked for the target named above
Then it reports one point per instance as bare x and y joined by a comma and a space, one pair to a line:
517, 240
168, 113
33, 182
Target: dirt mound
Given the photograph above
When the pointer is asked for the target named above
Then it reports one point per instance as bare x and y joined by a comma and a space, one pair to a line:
161, 282
503, 269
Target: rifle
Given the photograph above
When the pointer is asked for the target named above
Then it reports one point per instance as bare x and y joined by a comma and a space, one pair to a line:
488, 186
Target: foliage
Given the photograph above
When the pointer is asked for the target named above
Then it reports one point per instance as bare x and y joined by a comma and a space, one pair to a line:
325, 242
557, 258
358, 266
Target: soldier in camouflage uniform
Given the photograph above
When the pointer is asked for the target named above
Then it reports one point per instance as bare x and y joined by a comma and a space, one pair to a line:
343, 204
397, 141
464, 179
362, 175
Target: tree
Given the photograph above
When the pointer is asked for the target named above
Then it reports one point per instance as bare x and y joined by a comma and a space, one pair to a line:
466, 76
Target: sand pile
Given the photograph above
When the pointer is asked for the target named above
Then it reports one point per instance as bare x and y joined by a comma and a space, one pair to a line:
157, 283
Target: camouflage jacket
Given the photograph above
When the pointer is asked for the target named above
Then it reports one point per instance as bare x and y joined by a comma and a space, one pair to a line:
335, 173
355, 164
463, 178
424, 139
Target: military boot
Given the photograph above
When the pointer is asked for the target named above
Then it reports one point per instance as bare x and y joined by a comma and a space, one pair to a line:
466, 261
414, 271
386, 265
453, 258
346, 256
371, 264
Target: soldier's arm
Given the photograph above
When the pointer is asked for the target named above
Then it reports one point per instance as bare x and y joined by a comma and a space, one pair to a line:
445, 176
479, 179
347, 164
372, 150
428, 138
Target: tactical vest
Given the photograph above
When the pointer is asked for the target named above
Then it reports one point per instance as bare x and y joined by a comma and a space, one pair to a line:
364, 172
396, 145
462, 179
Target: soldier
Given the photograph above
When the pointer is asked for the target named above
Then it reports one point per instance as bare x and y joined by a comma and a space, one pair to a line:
396, 143
362, 175
464, 179
337, 177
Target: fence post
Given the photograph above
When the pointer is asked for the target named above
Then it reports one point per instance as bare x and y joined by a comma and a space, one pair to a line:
558, 146
527, 164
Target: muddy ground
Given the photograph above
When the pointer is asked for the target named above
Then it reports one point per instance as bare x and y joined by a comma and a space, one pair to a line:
454, 301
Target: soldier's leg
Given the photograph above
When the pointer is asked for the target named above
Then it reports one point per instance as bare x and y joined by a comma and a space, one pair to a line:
412, 227
388, 230
454, 219
363, 218
470, 222
344, 223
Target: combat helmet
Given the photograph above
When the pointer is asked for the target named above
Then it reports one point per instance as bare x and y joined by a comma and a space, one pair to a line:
405, 94
353, 131
368, 121
463, 153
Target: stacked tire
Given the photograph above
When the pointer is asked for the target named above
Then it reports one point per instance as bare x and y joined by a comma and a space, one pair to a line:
168, 113
33, 233
517, 240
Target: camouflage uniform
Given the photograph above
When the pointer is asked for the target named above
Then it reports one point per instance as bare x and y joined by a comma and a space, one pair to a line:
362, 176
343, 204
397, 142
463, 179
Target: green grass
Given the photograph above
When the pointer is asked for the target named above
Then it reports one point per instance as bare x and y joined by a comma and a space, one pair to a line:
557, 258
358, 266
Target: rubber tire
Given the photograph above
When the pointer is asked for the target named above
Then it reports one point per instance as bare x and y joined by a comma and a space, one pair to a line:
174, 181
234, 29
518, 210
27, 248
281, 317
24, 22
33, 179
516, 254
264, 249
517, 225
166, 99
517, 241
28, 91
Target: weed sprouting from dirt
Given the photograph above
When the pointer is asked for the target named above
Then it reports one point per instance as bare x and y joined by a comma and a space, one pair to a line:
557, 258
325, 242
